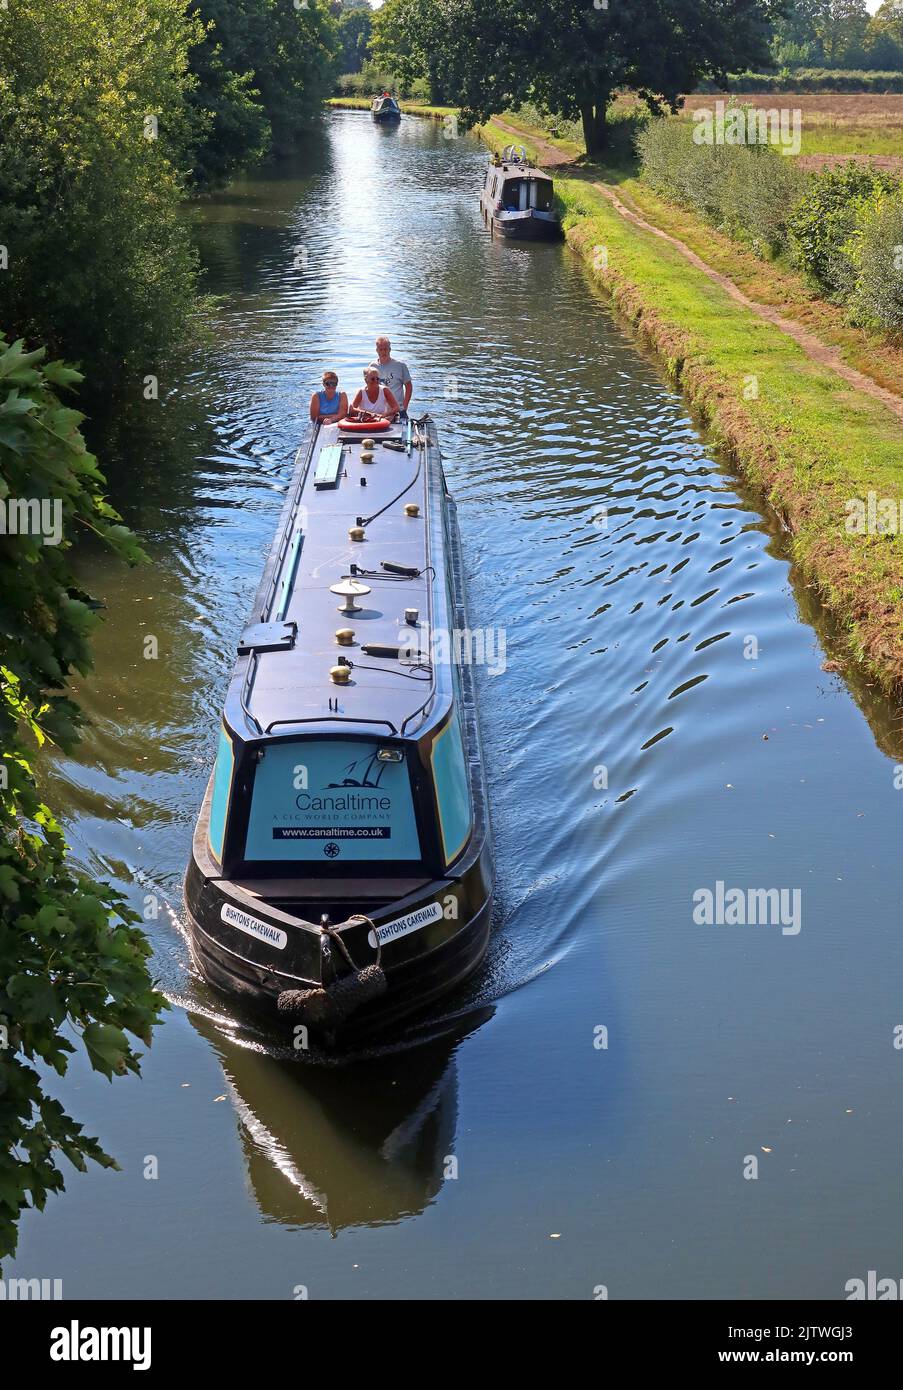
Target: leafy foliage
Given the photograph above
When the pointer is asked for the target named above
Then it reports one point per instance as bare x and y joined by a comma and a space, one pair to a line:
747, 191
230, 125
826, 218
355, 26
260, 76
100, 265
876, 252
831, 80
73, 963
292, 54
839, 34
842, 227
568, 55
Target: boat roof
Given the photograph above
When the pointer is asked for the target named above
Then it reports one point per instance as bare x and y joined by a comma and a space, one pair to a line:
284, 687
515, 167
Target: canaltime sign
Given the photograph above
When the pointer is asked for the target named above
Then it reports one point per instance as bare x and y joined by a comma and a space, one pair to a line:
353, 807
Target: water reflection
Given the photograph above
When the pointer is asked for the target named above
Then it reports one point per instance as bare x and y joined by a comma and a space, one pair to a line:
364, 1141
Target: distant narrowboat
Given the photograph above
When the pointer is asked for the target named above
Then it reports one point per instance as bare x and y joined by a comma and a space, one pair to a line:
341, 868
517, 200
385, 108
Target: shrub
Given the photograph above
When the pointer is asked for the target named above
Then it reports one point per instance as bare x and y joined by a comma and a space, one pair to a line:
762, 188
876, 253
101, 268
372, 78
826, 217
746, 190
809, 80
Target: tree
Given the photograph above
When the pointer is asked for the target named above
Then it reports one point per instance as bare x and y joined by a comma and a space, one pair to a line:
571, 57
355, 26
98, 262
73, 963
292, 55
261, 73
840, 27
231, 128
408, 53
884, 38
795, 42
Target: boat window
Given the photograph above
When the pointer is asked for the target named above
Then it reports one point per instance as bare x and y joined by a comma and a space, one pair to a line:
330, 801
222, 787
452, 790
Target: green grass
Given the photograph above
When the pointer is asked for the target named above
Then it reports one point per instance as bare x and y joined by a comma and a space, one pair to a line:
839, 138
569, 146
808, 438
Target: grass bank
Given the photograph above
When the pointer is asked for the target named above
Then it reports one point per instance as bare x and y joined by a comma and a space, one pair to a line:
811, 442
772, 283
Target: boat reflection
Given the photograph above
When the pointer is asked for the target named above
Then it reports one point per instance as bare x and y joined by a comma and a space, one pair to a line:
365, 1142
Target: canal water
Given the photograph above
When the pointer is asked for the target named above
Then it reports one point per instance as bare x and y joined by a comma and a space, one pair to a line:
591, 1110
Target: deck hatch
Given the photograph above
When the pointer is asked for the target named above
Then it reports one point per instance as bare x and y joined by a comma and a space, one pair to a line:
288, 578
328, 467
267, 637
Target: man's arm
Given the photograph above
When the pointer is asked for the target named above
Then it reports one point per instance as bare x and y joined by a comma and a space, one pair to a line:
408, 388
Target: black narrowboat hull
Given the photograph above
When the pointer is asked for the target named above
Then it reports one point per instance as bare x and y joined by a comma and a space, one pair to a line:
411, 985
526, 228
385, 117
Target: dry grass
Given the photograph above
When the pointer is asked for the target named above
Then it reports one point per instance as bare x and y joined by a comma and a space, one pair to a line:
856, 125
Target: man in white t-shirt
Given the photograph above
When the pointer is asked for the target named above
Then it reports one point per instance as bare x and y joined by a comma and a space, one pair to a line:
393, 372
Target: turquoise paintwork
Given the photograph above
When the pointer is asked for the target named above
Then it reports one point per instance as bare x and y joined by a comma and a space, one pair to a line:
222, 787
452, 793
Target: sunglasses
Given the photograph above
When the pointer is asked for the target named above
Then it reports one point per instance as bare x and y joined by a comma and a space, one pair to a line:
330, 381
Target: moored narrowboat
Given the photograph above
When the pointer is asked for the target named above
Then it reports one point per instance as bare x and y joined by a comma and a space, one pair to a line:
385, 108
518, 200
340, 876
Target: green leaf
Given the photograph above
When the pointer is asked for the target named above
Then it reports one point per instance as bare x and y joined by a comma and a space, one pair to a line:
107, 1047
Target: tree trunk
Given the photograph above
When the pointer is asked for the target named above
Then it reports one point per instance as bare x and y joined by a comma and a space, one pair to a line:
595, 128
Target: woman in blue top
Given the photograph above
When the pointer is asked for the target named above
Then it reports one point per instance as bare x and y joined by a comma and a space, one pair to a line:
329, 405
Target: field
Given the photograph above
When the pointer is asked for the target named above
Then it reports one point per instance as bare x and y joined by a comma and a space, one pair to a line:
836, 126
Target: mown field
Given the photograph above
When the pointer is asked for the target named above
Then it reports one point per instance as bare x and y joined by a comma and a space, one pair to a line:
835, 126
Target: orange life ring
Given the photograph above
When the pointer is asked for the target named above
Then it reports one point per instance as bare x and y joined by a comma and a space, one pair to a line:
363, 426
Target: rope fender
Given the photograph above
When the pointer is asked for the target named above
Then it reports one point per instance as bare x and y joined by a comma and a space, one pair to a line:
330, 1006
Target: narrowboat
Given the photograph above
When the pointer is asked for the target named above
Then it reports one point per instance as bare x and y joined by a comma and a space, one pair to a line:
340, 875
517, 200
385, 108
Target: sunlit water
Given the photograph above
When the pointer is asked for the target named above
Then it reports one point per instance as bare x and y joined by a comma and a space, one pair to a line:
662, 723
